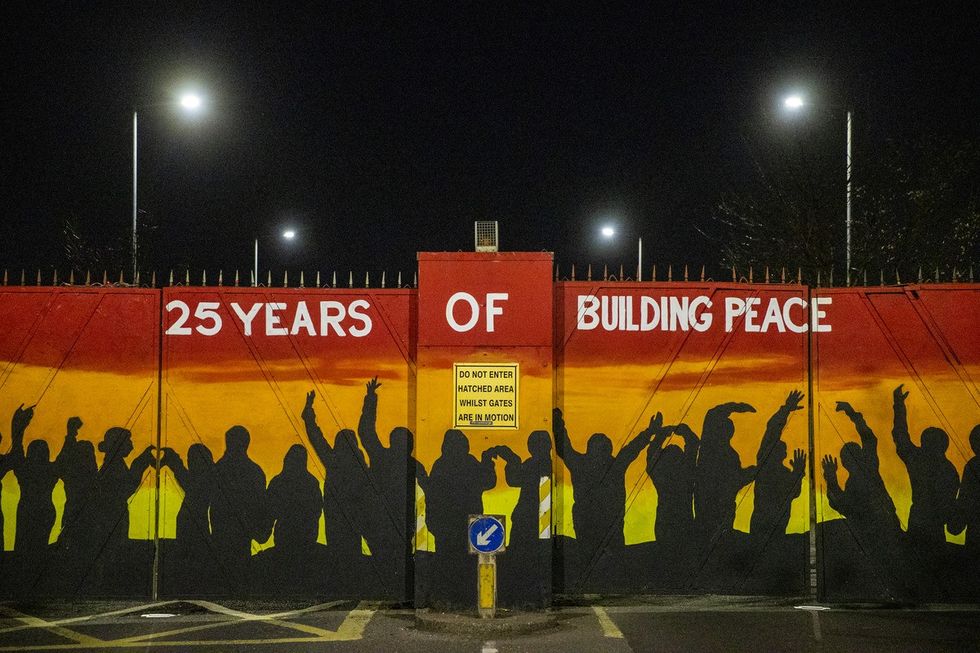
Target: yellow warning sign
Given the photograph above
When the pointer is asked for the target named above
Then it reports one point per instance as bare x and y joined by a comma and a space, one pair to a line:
485, 395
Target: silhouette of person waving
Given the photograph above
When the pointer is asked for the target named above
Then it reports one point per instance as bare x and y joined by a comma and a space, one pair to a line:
347, 495
933, 478
295, 502
37, 476
775, 485
78, 471
18, 425
599, 485
719, 474
671, 470
528, 476
239, 512
865, 501
197, 480
967, 512
454, 490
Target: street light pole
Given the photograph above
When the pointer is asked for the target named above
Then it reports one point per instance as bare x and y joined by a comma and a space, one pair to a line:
255, 268
134, 194
639, 259
848, 246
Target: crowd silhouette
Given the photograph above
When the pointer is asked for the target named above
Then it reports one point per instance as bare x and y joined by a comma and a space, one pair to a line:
367, 503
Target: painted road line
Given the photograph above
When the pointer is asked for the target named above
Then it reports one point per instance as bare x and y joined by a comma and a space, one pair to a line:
75, 620
242, 617
60, 631
609, 629
357, 620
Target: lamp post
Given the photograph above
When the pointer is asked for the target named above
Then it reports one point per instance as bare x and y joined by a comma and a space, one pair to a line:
608, 232
190, 103
795, 103
287, 234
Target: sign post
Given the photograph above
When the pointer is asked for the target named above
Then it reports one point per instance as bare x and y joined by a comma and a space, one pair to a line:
486, 535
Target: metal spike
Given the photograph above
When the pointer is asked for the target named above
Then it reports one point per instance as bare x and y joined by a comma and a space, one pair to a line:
302, 280
702, 274
818, 278
236, 277
573, 272
734, 278
750, 273
22, 277
937, 274
204, 277
399, 278
799, 275
137, 281
88, 278
71, 277
285, 278
865, 276
221, 278
621, 277
605, 273
317, 278
654, 272
55, 282
367, 279
105, 277
334, 285
39, 277
153, 279
882, 280
589, 274
268, 279
955, 274
187, 277
382, 278
670, 272
415, 280
782, 275
920, 274
171, 278
5, 276
767, 274
898, 279
831, 277
685, 272
121, 278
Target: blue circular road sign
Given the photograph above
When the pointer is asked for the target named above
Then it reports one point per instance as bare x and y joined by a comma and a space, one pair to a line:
486, 534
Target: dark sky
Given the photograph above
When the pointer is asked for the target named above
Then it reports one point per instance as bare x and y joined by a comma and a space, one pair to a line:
385, 132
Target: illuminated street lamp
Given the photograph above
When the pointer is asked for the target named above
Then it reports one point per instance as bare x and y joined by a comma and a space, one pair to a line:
287, 234
797, 102
608, 232
191, 103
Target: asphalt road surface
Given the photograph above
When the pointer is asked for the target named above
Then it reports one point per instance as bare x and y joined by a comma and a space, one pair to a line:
655, 624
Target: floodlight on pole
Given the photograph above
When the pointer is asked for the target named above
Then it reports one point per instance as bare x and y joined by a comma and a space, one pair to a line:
287, 234
608, 231
190, 103
795, 102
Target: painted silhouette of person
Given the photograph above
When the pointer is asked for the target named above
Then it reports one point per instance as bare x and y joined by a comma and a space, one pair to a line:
599, 485
933, 477
18, 425
967, 512
78, 470
295, 502
671, 470
454, 490
197, 480
239, 512
348, 498
392, 471
37, 476
865, 501
719, 475
527, 475
775, 485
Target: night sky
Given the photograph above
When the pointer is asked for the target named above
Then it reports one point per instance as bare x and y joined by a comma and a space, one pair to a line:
380, 133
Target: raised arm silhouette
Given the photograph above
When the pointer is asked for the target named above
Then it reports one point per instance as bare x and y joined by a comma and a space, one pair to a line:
599, 485
197, 480
527, 475
967, 512
775, 485
933, 477
719, 474
671, 470
78, 470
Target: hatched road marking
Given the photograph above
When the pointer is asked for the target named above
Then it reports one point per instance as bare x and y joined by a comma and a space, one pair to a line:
609, 629
352, 627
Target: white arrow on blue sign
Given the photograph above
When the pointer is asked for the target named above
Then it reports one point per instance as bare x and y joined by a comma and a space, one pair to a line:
486, 533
